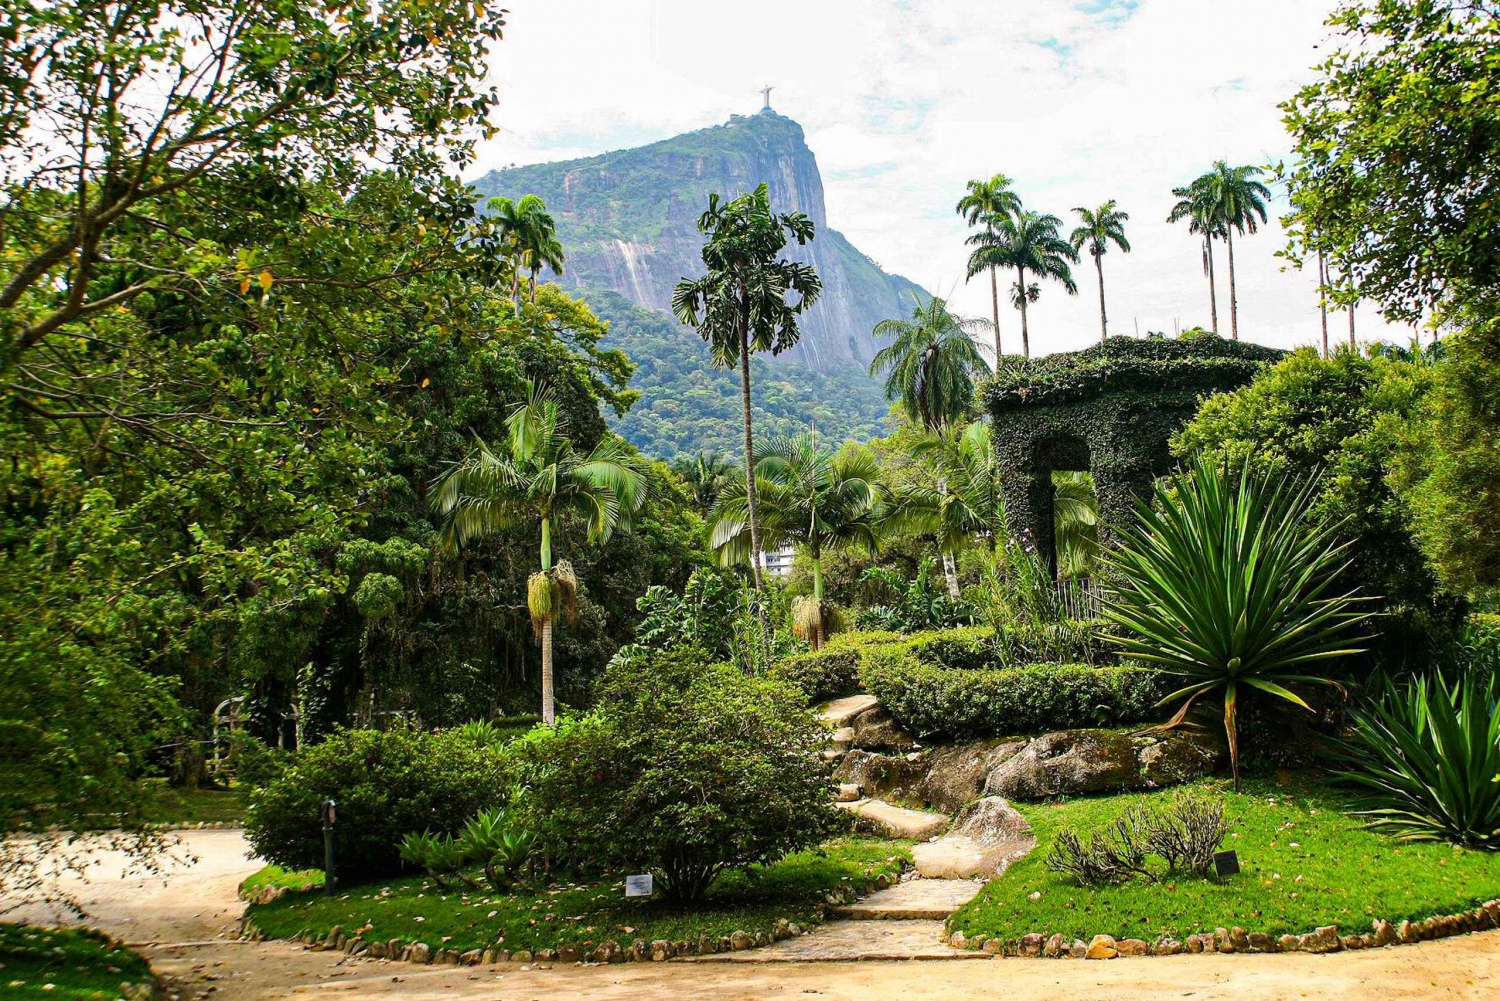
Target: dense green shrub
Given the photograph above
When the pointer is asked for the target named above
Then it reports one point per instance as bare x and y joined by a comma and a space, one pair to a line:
930, 700
682, 778
387, 784
821, 675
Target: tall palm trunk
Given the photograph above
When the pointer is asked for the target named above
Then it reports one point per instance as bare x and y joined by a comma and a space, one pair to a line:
1103, 317
1213, 295
534, 273
818, 630
515, 289
1323, 299
995, 311
549, 712
1352, 343
752, 505
1234, 308
1025, 331
950, 568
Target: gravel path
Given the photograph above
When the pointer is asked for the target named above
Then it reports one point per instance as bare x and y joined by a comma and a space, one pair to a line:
195, 908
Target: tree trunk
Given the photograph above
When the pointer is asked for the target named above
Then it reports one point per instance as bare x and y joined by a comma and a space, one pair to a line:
1103, 317
1353, 346
549, 714
752, 506
1323, 299
1213, 295
1234, 308
950, 573
534, 273
816, 639
515, 289
995, 310
1025, 331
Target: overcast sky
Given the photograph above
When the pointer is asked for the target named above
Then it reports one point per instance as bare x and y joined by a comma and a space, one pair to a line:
903, 101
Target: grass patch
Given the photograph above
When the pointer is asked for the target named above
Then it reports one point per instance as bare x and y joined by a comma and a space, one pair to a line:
1303, 864
65, 964
275, 876
415, 909
168, 805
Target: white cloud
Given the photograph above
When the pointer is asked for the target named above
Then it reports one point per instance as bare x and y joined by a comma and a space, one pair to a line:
904, 100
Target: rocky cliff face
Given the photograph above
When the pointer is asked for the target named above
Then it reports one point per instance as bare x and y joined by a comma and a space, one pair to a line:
628, 221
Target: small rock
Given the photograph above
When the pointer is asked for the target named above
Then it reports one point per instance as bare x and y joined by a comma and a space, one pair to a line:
609, 951
1240, 939
1167, 947
762, 939
567, 954
521, 956
421, 952
958, 940
1385, 932
1352, 941
1195, 943
640, 951
1406, 932
662, 950
1289, 943
378, 950
794, 929
1324, 939
1031, 945
1131, 947
741, 940
1101, 947
993, 946
1260, 942
1056, 946
1078, 950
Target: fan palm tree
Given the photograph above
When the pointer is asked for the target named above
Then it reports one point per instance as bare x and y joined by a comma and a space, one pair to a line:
1028, 242
986, 203
537, 478
748, 300
810, 498
1239, 203
930, 363
1195, 205
965, 506
1101, 227
705, 473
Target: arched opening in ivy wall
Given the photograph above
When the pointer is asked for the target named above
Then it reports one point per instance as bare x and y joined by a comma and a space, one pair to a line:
1109, 410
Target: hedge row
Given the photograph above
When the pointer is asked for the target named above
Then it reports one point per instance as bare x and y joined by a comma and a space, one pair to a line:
932, 701
834, 671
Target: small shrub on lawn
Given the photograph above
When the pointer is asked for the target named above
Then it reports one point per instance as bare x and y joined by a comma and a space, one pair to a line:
1184, 835
970, 704
683, 777
387, 784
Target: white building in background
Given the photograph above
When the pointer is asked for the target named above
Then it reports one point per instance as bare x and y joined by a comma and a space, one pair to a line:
777, 562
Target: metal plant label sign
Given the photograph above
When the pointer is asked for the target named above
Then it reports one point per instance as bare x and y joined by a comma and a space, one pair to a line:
638, 886
1226, 863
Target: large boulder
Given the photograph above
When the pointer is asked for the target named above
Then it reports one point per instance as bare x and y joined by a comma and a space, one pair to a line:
1067, 762
894, 821
940, 778
984, 839
876, 774
876, 730
1177, 756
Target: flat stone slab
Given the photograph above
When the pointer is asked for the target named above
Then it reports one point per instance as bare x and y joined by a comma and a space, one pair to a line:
839, 712
846, 941
958, 857
896, 821
915, 899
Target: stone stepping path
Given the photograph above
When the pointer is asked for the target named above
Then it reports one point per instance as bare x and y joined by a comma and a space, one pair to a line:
846, 941
896, 821
930, 900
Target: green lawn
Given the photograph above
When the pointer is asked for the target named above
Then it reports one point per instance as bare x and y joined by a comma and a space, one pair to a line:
64, 964
1303, 864
275, 875
416, 910
168, 805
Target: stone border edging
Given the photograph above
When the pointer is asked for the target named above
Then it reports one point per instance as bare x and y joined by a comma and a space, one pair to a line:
201, 825
1322, 940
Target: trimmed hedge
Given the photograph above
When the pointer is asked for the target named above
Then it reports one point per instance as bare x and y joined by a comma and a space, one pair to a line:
932, 701
826, 674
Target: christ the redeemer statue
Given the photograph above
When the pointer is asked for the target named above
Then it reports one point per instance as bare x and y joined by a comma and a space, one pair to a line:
765, 92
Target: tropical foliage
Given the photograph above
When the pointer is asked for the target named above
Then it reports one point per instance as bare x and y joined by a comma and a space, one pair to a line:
1227, 583
1029, 243
1101, 227
930, 364
986, 203
1425, 755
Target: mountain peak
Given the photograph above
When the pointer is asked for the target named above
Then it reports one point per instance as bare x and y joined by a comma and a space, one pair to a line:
628, 220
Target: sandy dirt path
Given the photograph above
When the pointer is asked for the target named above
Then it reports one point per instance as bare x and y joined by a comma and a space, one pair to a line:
190, 916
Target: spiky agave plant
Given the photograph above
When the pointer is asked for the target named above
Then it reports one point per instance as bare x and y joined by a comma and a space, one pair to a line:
1426, 758
1227, 580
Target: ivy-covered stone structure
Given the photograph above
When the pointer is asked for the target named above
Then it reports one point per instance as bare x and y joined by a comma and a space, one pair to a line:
1110, 410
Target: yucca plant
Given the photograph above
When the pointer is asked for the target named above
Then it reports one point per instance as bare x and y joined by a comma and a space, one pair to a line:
1227, 580
495, 839
1426, 756
439, 854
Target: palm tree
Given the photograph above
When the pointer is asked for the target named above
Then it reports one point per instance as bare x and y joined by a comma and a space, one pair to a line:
1239, 202
809, 498
965, 506
1101, 227
538, 478
987, 202
930, 363
705, 473
1194, 205
1028, 242
1075, 523
531, 233
748, 300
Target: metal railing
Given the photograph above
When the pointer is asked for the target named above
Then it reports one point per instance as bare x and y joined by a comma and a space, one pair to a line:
1078, 599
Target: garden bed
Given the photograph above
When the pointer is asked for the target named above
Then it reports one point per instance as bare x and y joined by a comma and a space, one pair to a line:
1304, 864
69, 964
576, 916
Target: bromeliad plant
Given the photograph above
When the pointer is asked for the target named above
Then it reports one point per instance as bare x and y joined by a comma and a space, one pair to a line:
1426, 757
1227, 581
